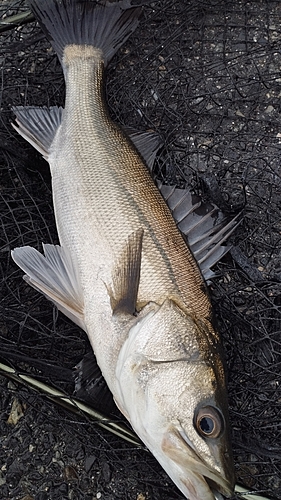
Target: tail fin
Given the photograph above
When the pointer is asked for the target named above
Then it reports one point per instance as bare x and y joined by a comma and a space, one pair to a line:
104, 24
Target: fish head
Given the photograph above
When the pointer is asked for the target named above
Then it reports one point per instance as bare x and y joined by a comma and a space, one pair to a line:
171, 387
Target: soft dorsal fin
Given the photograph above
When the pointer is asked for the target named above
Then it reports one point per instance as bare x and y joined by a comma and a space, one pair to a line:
54, 274
202, 224
126, 277
38, 125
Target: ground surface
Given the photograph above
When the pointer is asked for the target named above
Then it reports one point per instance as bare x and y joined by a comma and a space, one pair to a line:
206, 75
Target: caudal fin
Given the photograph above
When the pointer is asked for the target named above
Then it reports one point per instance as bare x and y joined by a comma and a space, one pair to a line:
104, 24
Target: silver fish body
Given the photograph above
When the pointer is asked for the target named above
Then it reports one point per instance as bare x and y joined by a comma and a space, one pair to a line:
125, 274
103, 193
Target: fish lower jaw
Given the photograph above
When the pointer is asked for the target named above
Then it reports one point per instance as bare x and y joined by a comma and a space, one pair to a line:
191, 475
197, 486
192, 484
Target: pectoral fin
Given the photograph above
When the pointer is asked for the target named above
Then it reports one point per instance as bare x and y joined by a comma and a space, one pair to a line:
126, 277
56, 276
90, 385
38, 125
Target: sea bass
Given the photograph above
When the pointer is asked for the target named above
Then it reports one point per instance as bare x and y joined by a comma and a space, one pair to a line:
123, 271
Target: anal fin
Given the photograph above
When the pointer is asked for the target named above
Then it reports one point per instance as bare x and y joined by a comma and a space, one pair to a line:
54, 274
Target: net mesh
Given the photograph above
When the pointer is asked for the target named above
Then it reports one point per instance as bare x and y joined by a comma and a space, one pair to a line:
206, 76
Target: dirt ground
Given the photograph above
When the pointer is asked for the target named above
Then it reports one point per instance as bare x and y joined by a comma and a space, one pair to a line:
206, 76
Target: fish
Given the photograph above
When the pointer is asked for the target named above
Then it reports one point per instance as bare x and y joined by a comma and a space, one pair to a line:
123, 271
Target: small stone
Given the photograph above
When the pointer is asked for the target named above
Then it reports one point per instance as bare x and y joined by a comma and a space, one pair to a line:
70, 473
89, 461
269, 109
16, 412
106, 472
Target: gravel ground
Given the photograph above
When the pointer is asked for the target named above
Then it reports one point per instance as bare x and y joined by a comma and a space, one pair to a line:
206, 76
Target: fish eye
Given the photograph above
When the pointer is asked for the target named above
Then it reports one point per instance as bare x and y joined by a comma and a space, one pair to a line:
208, 422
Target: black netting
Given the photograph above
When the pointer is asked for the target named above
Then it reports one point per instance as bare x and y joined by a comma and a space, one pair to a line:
206, 75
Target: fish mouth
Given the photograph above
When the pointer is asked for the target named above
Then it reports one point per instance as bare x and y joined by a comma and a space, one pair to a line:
193, 477
201, 486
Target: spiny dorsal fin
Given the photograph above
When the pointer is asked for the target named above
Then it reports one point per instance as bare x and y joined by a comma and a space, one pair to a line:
202, 224
126, 276
146, 143
38, 125
54, 274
